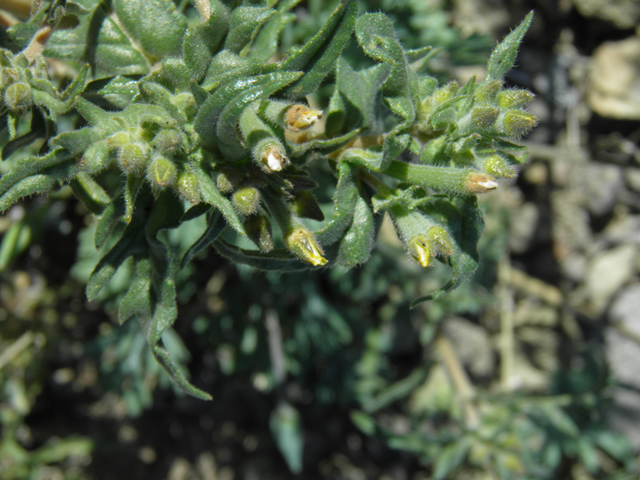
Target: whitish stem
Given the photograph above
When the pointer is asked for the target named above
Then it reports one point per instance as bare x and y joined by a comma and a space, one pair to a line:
461, 383
16, 348
276, 351
507, 334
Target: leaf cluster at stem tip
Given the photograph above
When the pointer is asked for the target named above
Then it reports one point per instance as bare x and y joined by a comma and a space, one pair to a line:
206, 117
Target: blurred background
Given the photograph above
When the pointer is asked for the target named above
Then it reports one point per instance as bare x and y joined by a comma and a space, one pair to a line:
529, 370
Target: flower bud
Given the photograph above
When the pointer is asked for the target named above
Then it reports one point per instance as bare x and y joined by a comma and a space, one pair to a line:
444, 118
258, 228
446, 92
161, 172
486, 93
186, 104
95, 158
508, 99
478, 182
484, 116
246, 200
498, 167
270, 154
302, 244
300, 117
228, 180
420, 250
17, 96
518, 122
132, 158
188, 187
119, 139
440, 241
168, 142
305, 205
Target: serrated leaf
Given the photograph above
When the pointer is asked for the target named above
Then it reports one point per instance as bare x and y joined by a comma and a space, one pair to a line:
318, 56
108, 221
245, 23
155, 24
504, 55
215, 227
265, 44
377, 38
361, 89
177, 377
100, 42
202, 40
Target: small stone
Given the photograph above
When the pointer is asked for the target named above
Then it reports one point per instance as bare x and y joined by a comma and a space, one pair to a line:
622, 13
632, 179
523, 228
601, 185
608, 273
614, 79
472, 345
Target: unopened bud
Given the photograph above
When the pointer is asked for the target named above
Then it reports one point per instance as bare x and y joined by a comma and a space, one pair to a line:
17, 96
478, 182
228, 180
258, 228
485, 116
446, 92
119, 139
444, 118
168, 142
518, 122
305, 205
188, 187
300, 117
95, 158
302, 244
440, 241
420, 250
246, 200
161, 172
498, 167
486, 93
132, 158
508, 99
270, 155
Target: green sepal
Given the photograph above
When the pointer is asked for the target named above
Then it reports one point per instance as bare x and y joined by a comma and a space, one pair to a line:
202, 40
155, 24
344, 203
504, 55
356, 244
318, 56
245, 24
216, 225
90, 193
324, 146
410, 197
154, 93
131, 190
336, 114
465, 223
278, 260
369, 158
212, 196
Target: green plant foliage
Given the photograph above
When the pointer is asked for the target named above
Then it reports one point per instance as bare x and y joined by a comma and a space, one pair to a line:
217, 107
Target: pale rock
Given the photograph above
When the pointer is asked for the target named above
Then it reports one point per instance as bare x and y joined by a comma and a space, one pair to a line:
614, 79
608, 273
622, 13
